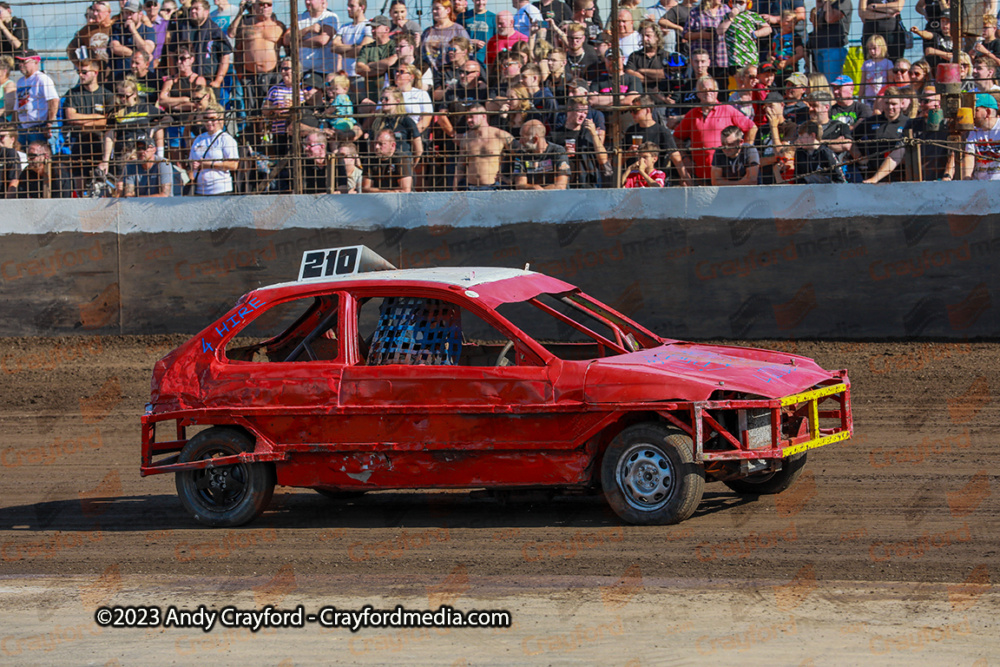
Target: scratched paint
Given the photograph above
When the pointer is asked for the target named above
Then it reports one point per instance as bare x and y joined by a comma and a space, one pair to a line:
545, 421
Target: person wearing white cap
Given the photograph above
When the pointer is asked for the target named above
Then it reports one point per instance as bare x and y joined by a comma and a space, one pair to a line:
981, 161
37, 99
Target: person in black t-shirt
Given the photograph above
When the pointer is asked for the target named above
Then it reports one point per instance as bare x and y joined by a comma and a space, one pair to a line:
147, 78
556, 80
881, 17
129, 35
316, 176
845, 108
828, 42
396, 120
388, 171
587, 14
539, 164
937, 43
989, 45
449, 74
770, 135
198, 33
932, 10
13, 32
130, 120
733, 163
814, 161
602, 83
796, 109
644, 128
585, 149
834, 134
43, 179
469, 89
555, 13
878, 141
10, 169
676, 89
580, 56
936, 161
676, 19
85, 112
646, 64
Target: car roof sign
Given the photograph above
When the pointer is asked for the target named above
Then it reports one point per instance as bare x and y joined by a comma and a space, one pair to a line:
339, 262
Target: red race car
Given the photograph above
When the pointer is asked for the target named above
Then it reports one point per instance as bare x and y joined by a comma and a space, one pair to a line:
352, 380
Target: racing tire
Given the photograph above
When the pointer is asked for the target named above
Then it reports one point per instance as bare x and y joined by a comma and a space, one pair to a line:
650, 477
226, 496
340, 495
767, 483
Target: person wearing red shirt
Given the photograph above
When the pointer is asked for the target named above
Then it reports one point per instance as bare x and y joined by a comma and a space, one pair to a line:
701, 128
505, 38
643, 172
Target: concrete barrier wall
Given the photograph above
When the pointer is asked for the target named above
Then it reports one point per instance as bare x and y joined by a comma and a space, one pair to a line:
912, 259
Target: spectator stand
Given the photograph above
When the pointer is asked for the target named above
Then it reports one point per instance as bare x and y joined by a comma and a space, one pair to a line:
933, 137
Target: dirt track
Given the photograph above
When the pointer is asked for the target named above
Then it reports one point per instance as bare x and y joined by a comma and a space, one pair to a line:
885, 550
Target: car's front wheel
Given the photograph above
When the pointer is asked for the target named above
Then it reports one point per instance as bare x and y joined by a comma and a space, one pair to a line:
650, 477
223, 496
771, 482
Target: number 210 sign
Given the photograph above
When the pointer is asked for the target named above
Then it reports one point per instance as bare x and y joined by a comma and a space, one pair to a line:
339, 262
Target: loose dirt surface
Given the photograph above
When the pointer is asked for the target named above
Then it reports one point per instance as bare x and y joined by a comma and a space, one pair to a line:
885, 551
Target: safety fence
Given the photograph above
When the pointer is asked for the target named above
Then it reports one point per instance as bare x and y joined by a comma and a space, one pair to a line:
483, 97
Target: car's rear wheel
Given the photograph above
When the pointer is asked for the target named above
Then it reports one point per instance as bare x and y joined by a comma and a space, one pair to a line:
228, 495
650, 477
770, 482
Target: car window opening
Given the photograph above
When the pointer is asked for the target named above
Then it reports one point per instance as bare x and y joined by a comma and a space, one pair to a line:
307, 332
420, 331
573, 328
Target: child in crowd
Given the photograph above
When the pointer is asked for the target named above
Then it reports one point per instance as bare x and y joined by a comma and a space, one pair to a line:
990, 45
349, 172
788, 48
643, 172
937, 43
341, 106
784, 166
875, 71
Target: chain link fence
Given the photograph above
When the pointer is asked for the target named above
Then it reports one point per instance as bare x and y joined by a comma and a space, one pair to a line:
162, 98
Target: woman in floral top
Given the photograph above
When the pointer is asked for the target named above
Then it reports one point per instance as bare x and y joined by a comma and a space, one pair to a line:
703, 32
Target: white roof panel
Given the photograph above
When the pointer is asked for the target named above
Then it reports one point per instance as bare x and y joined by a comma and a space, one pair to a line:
464, 276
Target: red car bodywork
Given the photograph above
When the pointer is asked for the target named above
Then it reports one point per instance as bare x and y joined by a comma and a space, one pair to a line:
545, 421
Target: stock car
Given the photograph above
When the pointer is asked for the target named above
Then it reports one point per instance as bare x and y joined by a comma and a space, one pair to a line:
359, 377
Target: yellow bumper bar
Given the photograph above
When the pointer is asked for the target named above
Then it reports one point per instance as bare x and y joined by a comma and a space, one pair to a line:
813, 397
814, 394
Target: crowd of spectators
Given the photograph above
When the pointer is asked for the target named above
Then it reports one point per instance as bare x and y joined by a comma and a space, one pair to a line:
175, 97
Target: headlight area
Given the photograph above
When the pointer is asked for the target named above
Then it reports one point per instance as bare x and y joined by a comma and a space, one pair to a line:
744, 434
